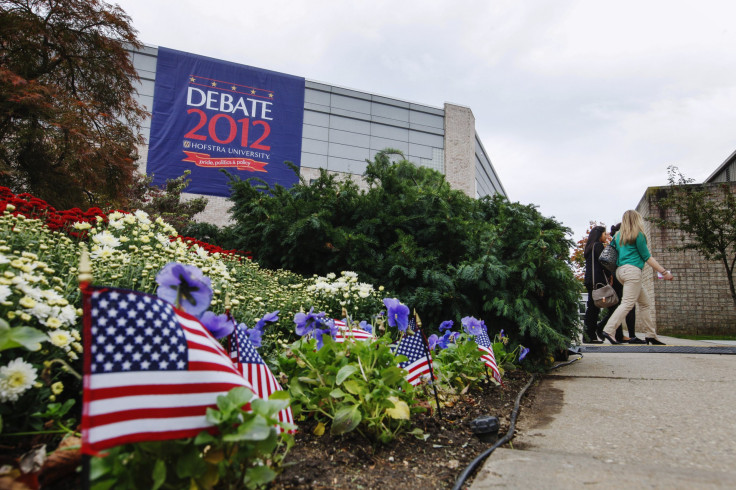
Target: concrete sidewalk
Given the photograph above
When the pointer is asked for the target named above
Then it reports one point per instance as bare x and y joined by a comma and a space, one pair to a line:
625, 420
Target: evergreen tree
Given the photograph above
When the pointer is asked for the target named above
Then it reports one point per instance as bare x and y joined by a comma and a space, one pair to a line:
440, 251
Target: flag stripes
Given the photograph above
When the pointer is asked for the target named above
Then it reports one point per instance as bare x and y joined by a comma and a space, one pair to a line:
151, 371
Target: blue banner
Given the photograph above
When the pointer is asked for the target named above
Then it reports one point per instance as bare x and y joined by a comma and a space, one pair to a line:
210, 114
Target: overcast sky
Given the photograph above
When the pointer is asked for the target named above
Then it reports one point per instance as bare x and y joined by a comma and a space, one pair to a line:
581, 104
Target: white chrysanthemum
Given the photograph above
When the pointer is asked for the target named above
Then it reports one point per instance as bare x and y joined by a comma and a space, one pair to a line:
67, 314
142, 217
106, 239
363, 293
5, 292
61, 338
4, 259
331, 275
129, 219
102, 253
15, 378
349, 274
115, 215
163, 239
41, 311
116, 224
81, 225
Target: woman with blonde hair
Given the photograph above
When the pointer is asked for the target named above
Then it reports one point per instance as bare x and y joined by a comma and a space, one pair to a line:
633, 253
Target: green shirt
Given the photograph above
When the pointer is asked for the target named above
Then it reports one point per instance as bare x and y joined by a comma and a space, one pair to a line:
636, 253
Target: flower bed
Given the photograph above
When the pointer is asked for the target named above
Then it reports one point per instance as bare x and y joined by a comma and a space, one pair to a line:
336, 387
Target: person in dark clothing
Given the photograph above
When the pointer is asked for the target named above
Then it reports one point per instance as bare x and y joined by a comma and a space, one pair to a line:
630, 316
593, 248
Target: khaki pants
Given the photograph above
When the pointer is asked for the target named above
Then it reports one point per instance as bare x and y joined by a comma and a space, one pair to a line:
630, 277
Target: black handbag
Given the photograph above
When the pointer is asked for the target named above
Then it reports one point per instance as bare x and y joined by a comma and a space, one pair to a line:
608, 258
604, 296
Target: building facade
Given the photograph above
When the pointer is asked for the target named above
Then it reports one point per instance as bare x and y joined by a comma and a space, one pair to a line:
343, 128
726, 172
698, 301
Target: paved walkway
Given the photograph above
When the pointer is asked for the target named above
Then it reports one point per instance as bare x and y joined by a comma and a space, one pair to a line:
626, 420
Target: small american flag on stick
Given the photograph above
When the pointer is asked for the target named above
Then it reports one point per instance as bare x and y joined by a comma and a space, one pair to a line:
419, 362
254, 369
345, 333
150, 370
484, 345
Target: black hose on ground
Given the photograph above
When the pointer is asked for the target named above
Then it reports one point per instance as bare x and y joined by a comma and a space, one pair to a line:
470, 469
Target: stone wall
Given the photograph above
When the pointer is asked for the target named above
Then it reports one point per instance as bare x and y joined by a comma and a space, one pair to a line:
698, 301
460, 148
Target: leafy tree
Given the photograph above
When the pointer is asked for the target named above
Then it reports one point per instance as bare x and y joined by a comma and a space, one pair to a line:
69, 123
165, 201
440, 251
706, 213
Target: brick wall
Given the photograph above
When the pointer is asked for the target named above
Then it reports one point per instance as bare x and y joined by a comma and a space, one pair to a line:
698, 301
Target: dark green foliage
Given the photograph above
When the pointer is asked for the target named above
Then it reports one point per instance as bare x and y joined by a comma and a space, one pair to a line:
440, 251
223, 237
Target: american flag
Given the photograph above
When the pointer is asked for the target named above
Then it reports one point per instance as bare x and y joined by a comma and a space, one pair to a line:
254, 369
420, 361
150, 370
344, 333
484, 345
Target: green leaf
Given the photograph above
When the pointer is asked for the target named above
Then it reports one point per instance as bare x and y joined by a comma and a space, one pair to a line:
392, 376
28, 337
213, 416
346, 419
337, 393
353, 387
255, 429
345, 372
204, 437
419, 434
259, 475
240, 396
159, 474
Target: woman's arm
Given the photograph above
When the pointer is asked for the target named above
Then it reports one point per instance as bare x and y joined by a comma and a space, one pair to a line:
666, 275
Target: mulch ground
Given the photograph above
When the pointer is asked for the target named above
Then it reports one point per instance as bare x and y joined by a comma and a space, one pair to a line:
352, 461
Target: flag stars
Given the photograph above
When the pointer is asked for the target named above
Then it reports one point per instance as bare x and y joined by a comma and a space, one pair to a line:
214, 84
192, 79
234, 88
252, 92
270, 96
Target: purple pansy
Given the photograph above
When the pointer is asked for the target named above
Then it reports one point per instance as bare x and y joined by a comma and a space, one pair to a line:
267, 318
366, 326
185, 286
432, 341
524, 352
219, 325
306, 322
449, 337
254, 334
472, 325
446, 325
398, 314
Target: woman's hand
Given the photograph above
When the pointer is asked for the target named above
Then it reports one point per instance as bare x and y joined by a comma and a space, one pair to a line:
667, 276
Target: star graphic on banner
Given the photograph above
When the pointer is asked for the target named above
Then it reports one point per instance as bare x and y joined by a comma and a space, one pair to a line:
214, 84
234, 87
270, 95
253, 92
192, 79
